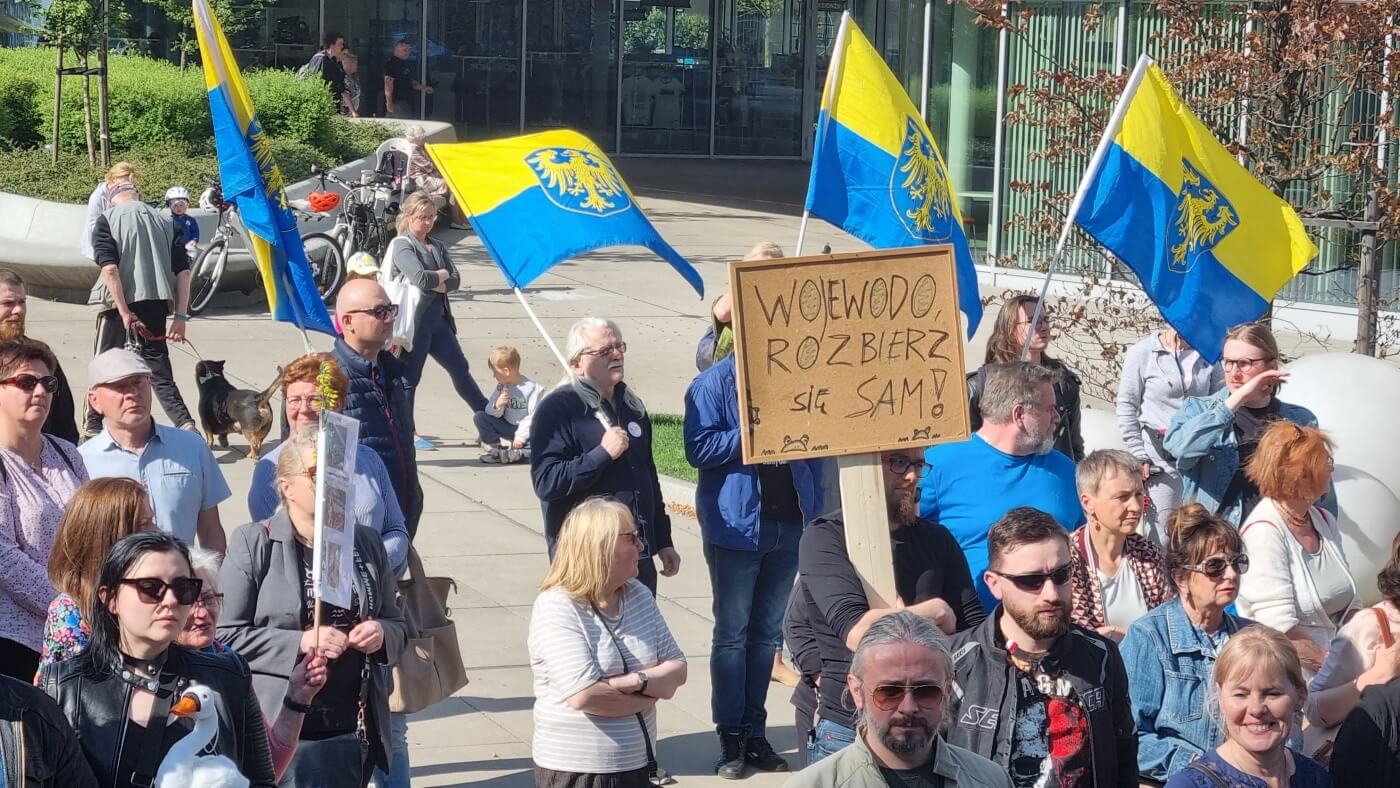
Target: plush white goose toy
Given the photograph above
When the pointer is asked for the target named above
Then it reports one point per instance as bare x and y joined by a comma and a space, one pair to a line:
183, 766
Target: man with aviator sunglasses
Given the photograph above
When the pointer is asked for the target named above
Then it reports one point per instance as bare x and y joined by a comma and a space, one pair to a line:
1045, 699
900, 681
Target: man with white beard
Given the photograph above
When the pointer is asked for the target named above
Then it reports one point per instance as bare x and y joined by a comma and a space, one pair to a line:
14, 306
1009, 462
1043, 698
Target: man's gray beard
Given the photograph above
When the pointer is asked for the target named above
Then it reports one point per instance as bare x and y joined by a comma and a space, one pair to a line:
900, 746
902, 509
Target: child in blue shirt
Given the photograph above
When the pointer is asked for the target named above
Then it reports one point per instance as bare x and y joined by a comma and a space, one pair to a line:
177, 200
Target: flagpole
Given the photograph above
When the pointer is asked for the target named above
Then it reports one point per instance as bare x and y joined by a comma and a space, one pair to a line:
1115, 122
833, 82
923, 83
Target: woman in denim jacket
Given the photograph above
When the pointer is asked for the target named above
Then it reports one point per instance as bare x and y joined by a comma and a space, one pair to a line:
1172, 649
1212, 438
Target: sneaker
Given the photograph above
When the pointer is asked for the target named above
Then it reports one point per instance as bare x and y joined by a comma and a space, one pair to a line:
513, 456
730, 765
422, 443
492, 457
759, 754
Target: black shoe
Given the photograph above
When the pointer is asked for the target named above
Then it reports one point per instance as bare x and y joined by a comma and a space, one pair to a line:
760, 755
730, 765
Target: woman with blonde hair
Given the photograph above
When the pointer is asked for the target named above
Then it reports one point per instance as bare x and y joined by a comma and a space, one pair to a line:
1258, 693
1302, 585
121, 172
101, 513
1008, 340
423, 261
1213, 437
601, 656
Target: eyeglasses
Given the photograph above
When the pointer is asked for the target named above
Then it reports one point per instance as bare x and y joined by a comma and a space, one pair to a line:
28, 382
297, 403
604, 352
635, 537
210, 600
381, 312
901, 465
1033, 582
151, 590
1242, 364
888, 696
310, 473
1214, 568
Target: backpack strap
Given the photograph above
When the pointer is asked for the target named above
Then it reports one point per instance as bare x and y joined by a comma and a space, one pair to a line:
1209, 772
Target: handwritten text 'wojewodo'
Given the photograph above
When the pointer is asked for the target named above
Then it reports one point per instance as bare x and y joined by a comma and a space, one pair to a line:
833, 318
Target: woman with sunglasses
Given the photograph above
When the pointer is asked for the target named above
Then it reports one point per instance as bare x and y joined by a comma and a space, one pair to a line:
103, 512
1172, 650
374, 503
39, 474
1302, 585
601, 656
268, 617
118, 693
1213, 437
424, 263
1008, 340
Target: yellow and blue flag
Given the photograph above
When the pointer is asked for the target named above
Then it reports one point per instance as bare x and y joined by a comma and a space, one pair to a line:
876, 171
1210, 243
540, 199
251, 181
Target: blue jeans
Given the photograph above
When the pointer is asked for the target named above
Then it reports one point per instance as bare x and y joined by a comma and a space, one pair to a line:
750, 590
399, 775
434, 336
830, 738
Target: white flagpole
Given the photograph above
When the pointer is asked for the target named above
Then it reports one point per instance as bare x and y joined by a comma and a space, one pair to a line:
923, 83
1115, 122
558, 355
833, 82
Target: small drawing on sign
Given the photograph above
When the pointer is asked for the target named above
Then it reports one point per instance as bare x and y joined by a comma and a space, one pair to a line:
795, 444
922, 432
753, 415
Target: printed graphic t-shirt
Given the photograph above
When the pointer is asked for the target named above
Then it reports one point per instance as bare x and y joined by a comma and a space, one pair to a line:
1050, 743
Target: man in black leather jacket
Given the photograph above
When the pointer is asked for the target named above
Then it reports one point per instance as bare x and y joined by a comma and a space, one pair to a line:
31, 723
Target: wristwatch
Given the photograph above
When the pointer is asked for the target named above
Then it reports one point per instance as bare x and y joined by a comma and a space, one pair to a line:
178, 316
300, 708
642, 690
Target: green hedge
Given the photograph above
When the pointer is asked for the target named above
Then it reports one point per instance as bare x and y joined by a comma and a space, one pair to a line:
159, 120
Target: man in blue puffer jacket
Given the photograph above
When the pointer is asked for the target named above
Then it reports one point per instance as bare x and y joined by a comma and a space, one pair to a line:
751, 517
380, 397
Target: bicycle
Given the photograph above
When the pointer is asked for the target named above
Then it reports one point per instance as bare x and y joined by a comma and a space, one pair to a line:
363, 221
322, 252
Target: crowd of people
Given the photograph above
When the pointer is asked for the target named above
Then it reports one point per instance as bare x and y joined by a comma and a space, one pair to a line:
1179, 613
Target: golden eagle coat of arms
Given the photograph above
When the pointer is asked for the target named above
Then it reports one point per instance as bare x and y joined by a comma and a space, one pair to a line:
580, 181
1201, 218
919, 187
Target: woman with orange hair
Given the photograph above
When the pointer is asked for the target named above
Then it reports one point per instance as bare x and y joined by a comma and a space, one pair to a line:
1301, 584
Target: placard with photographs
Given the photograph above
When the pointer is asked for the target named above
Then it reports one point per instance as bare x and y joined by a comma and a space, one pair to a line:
336, 444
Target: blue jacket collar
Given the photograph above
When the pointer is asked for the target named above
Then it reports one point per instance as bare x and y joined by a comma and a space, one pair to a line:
1182, 636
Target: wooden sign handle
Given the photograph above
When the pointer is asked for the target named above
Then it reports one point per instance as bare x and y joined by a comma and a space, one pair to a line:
867, 525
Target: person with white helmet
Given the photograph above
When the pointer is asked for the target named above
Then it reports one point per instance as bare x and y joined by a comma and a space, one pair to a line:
177, 201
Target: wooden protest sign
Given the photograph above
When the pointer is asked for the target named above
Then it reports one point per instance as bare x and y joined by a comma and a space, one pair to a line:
850, 355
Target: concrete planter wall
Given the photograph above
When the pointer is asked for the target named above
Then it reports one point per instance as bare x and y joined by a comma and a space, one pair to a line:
40, 239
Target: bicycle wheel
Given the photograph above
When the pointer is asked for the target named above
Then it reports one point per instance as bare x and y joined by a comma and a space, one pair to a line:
327, 263
205, 274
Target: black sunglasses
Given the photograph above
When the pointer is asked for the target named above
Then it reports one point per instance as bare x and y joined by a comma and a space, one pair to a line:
1214, 568
28, 382
381, 312
152, 589
888, 696
1032, 582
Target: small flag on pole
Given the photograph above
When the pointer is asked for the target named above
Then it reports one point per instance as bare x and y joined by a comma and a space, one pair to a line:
540, 199
876, 171
1210, 243
251, 181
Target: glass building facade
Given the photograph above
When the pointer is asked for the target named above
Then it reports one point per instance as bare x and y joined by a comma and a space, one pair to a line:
743, 78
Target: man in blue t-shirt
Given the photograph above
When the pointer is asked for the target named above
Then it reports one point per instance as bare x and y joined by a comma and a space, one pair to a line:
1009, 462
